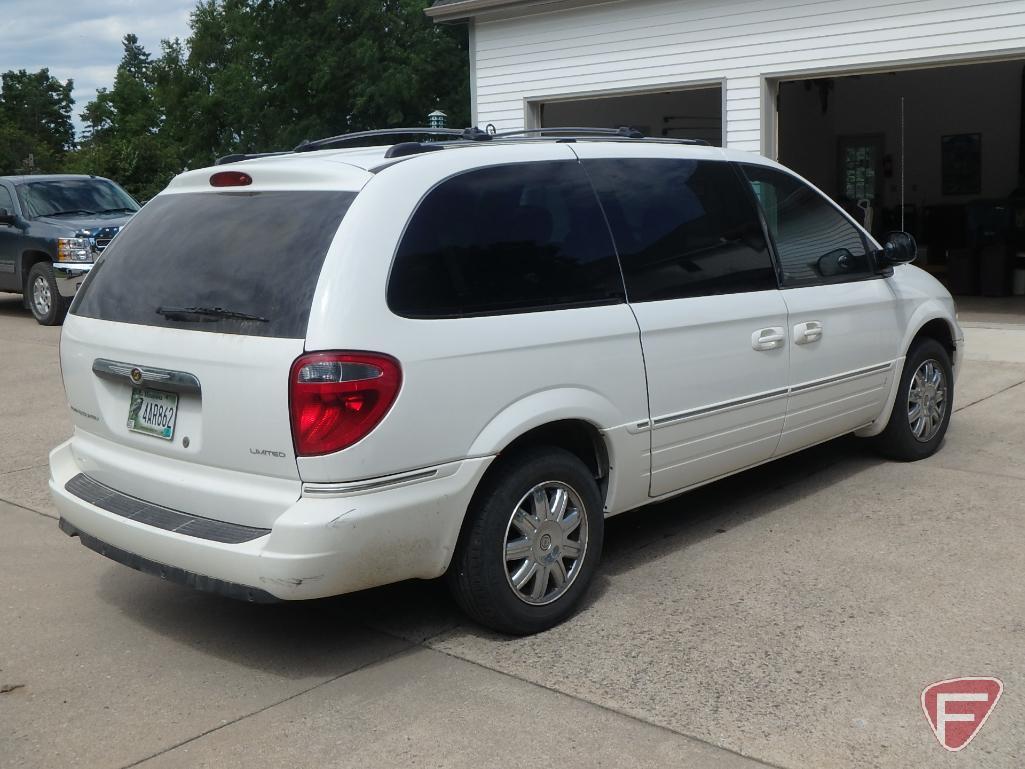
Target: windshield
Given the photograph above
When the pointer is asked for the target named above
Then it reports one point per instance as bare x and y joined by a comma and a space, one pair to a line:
57, 197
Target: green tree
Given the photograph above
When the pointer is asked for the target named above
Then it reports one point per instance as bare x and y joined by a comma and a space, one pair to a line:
274, 72
123, 124
262, 75
35, 121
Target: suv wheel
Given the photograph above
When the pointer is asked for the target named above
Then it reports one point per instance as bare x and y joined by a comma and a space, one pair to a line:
923, 406
41, 294
532, 543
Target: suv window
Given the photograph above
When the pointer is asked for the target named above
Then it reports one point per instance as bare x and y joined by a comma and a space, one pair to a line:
682, 228
504, 239
74, 196
816, 244
258, 253
6, 201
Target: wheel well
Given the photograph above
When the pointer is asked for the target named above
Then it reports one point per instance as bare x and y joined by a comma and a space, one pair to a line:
576, 436
30, 258
937, 329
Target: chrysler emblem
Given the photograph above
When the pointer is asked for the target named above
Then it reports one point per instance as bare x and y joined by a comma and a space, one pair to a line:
136, 375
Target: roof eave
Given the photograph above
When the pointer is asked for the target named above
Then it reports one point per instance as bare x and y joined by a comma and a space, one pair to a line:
465, 9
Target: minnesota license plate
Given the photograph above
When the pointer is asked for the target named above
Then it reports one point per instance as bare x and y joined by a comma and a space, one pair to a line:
153, 412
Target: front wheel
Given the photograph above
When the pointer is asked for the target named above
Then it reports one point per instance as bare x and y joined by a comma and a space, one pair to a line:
923, 406
532, 543
43, 299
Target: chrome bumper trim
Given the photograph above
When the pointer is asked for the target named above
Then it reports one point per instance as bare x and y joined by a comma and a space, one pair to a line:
69, 276
372, 484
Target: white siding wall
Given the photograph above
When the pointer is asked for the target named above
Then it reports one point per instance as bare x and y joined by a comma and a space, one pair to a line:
642, 44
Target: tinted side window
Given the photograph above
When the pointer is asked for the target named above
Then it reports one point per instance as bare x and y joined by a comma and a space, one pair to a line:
683, 228
815, 242
6, 201
511, 238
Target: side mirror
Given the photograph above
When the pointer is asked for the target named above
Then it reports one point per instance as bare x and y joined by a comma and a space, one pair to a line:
6, 217
899, 248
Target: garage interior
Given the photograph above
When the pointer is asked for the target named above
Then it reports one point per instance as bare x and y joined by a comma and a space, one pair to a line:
694, 113
952, 137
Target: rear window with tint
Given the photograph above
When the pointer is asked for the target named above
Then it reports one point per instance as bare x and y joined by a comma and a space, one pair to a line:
254, 253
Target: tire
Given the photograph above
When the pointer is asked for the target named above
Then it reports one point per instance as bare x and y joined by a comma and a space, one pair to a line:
907, 438
42, 297
481, 576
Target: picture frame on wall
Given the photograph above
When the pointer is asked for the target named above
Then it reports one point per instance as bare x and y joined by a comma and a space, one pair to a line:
961, 158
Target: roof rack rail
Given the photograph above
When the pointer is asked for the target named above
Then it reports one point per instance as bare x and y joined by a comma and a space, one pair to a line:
239, 156
624, 132
403, 149
472, 134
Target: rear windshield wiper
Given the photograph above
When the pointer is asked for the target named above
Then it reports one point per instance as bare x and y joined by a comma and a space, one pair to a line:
183, 313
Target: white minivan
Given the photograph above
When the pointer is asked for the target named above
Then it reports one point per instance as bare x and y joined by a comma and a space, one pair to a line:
305, 374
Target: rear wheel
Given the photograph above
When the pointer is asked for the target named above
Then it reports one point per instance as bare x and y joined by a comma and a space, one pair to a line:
532, 543
923, 406
43, 299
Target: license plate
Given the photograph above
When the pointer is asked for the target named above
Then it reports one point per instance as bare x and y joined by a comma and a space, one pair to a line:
153, 412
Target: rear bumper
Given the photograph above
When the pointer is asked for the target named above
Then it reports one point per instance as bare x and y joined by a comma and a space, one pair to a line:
169, 573
69, 277
320, 546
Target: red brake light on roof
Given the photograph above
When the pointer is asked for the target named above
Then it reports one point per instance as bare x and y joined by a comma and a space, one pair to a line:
337, 399
230, 179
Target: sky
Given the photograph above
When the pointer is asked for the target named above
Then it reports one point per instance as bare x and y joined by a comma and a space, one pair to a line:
81, 39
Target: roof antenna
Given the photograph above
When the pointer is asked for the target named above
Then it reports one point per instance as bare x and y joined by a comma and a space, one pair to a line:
902, 164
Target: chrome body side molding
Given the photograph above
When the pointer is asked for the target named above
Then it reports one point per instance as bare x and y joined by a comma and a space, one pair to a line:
671, 419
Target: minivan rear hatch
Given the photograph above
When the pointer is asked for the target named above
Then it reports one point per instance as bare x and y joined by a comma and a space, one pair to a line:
177, 350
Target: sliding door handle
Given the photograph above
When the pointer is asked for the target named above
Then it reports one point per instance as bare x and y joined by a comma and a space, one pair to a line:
806, 333
768, 338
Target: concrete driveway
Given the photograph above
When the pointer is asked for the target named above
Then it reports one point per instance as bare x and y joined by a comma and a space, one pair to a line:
787, 617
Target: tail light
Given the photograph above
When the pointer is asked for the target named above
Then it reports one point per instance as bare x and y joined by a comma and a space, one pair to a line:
336, 399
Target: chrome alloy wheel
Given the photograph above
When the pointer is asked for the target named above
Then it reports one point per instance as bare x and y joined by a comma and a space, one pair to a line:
545, 543
927, 400
41, 297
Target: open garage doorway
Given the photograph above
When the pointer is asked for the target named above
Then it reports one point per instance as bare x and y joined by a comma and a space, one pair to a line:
937, 152
695, 113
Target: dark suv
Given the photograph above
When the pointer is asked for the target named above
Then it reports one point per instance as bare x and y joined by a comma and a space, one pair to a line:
52, 228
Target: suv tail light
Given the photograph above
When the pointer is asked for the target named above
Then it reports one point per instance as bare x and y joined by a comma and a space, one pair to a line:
336, 399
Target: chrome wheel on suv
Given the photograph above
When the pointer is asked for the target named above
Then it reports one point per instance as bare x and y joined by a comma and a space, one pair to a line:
42, 296
545, 543
42, 299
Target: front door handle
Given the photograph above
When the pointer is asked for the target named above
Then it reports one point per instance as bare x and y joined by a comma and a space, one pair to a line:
806, 333
768, 338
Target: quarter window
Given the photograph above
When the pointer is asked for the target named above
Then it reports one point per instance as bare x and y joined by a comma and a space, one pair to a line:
683, 228
816, 244
505, 239
6, 201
